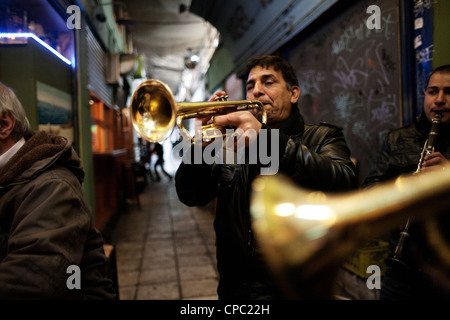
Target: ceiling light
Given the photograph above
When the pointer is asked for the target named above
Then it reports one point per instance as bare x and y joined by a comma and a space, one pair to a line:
191, 61
12, 36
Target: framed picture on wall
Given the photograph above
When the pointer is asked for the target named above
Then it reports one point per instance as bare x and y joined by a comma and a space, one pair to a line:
55, 111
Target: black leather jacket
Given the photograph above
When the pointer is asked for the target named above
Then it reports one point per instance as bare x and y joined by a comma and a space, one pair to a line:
400, 154
401, 150
315, 156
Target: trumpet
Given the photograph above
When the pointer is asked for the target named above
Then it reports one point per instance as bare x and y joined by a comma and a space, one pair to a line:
306, 235
154, 112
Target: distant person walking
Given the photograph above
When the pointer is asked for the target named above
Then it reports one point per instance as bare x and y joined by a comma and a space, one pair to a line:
158, 148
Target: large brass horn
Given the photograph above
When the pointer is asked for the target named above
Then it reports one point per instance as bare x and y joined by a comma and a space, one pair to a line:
154, 112
305, 235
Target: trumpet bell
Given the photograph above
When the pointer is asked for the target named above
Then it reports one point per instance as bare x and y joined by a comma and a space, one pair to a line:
153, 110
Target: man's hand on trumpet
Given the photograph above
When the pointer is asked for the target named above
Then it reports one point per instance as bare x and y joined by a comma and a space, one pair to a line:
245, 123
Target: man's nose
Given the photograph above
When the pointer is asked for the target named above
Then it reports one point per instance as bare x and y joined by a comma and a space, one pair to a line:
258, 90
440, 99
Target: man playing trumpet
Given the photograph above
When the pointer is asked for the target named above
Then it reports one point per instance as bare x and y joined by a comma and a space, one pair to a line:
314, 156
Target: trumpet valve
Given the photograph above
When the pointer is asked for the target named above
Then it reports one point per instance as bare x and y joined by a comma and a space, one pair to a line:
221, 98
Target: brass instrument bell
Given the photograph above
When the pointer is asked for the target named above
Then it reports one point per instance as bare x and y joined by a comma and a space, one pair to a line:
154, 112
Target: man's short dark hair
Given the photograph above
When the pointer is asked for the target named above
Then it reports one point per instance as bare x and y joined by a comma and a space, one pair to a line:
445, 68
441, 69
278, 64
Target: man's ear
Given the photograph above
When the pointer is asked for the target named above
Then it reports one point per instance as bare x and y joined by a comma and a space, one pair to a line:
7, 123
295, 93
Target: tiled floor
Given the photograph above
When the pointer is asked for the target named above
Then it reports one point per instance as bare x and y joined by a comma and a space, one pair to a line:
165, 250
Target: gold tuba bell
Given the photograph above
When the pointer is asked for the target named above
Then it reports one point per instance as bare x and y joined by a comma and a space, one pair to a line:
154, 112
305, 235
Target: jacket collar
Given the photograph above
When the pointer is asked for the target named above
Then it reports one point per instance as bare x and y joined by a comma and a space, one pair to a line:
40, 152
5, 157
294, 124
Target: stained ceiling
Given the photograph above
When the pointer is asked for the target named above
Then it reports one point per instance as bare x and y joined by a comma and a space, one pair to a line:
164, 32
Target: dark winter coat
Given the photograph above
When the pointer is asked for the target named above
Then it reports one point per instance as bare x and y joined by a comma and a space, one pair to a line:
47, 226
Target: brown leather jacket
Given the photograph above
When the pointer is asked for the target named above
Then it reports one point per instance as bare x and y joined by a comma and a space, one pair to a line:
46, 226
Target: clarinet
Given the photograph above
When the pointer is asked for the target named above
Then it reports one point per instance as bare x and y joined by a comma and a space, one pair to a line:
397, 257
